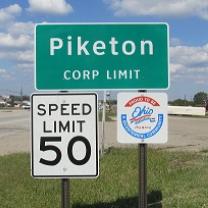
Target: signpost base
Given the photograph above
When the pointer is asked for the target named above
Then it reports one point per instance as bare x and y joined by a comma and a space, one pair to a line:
142, 153
65, 197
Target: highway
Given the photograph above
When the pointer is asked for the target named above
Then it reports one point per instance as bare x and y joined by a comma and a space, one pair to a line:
14, 131
185, 133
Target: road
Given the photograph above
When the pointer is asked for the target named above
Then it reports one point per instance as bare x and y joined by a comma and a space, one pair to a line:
185, 133
14, 131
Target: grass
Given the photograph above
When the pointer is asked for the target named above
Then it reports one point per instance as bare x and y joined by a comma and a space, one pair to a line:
175, 180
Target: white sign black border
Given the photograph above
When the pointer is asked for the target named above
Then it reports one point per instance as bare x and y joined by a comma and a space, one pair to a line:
97, 142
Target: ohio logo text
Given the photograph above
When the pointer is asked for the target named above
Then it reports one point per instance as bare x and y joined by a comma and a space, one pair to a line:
142, 122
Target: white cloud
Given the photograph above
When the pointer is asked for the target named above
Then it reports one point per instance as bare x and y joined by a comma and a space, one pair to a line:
20, 41
4, 74
25, 56
58, 7
190, 56
175, 67
21, 56
189, 62
159, 8
8, 13
25, 67
17, 28
16, 42
175, 42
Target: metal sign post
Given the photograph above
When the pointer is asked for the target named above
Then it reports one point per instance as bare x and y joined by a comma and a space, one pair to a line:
142, 119
103, 123
65, 188
60, 136
65, 194
142, 153
142, 148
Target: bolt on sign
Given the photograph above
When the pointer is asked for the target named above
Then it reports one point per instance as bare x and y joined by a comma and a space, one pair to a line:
64, 135
142, 118
101, 56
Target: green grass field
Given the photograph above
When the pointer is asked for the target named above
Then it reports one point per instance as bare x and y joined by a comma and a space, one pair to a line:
175, 180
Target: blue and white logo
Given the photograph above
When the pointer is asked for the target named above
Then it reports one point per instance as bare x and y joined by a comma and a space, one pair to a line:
141, 114
143, 120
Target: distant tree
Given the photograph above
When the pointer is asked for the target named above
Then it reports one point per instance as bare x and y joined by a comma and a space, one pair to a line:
25, 97
200, 98
181, 102
113, 102
17, 98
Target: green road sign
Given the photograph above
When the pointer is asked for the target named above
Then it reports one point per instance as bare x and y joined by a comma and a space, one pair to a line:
102, 56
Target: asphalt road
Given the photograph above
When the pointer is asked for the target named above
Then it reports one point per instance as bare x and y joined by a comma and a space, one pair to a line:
185, 133
14, 131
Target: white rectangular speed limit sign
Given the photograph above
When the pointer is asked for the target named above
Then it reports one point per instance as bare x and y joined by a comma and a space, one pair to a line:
64, 135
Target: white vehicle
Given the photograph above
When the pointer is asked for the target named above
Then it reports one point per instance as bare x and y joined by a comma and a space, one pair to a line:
25, 106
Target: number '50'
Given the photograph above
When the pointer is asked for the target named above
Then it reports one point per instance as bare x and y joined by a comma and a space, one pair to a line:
45, 147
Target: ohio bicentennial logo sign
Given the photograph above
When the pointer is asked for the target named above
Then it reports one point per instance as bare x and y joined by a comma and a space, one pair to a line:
142, 118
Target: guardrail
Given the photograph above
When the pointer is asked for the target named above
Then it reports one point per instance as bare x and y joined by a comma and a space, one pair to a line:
186, 110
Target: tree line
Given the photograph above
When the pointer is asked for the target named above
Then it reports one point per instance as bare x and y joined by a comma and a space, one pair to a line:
200, 99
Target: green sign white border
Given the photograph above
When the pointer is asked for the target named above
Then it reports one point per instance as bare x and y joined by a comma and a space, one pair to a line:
103, 23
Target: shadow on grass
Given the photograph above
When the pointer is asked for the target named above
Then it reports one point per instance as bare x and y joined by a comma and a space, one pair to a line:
154, 201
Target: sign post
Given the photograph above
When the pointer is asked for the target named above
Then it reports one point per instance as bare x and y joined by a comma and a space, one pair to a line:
103, 124
65, 194
142, 150
142, 119
62, 145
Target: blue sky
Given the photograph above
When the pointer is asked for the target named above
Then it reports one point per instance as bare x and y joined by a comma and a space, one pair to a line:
188, 21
